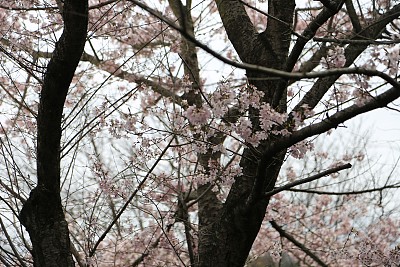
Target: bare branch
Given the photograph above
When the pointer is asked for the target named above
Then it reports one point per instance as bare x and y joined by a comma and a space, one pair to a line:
297, 243
146, 253
355, 41
314, 61
182, 215
21, 64
353, 16
272, 17
307, 180
11, 244
356, 192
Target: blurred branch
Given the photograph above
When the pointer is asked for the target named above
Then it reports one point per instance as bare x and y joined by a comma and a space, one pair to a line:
182, 216
146, 253
11, 244
353, 16
284, 234
77, 257
47, 7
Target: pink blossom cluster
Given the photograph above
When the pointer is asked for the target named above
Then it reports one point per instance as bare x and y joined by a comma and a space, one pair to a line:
198, 115
299, 150
335, 58
221, 99
249, 96
361, 96
372, 250
270, 118
244, 128
300, 116
271, 122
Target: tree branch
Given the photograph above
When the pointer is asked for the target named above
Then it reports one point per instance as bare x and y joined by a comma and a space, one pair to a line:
333, 121
315, 59
307, 180
355, 41
358, 192
309, 32
297, 243
241, 31
48, 8
352, 51
330, 5
147, 252
274, 73
182, 215
353, 16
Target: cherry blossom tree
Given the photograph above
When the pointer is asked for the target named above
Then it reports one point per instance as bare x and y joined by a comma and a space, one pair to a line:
188, 133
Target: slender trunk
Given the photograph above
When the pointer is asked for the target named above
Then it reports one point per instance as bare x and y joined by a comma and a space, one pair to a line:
42, 214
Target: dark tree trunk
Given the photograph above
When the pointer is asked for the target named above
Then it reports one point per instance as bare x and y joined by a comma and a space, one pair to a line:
226, 240
42, 214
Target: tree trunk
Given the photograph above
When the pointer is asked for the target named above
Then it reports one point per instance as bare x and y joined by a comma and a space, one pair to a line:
227, 239
42, 214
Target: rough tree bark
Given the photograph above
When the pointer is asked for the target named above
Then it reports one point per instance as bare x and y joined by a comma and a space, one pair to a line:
42, 214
